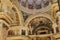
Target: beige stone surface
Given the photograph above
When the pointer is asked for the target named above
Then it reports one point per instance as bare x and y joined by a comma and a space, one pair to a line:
41, 24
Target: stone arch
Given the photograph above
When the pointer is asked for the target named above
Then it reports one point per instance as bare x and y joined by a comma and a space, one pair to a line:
11, 33
39, 15
44, 30
20, 15
54, 8
10, 6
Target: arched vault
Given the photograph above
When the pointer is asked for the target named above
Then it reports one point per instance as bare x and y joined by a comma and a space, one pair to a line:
39, 15
29, 19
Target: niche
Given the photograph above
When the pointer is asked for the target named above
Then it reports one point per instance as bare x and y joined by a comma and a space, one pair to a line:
23, 32
11, 33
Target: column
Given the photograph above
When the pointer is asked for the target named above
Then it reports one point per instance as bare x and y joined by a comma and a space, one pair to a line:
1, 34
54, 30
20, 32
58, 15
26, 33
54, 27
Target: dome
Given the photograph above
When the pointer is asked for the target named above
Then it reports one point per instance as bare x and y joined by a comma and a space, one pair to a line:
32, 4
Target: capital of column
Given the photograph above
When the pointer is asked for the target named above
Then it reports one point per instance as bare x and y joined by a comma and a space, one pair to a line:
54, 25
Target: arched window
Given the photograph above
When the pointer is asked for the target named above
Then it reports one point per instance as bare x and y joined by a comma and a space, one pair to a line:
23, 3
30, 4
38, 4
11, 33
46, 3
23, 32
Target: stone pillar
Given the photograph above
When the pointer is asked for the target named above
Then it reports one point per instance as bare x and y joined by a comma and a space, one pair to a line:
26, 32
59, 24
54, 30
19, 32
58, 16
54, 27
1, 31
